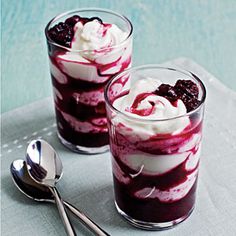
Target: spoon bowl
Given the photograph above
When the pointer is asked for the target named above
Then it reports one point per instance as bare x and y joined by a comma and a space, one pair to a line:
45, 165
27, 185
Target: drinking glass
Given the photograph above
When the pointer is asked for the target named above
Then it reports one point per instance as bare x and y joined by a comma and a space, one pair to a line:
78, 83
155, 176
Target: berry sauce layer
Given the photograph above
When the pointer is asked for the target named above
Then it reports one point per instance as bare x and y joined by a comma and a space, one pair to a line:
90, 53
155, 156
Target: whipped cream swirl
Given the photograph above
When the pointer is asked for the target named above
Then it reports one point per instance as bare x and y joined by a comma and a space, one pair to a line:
93, 36
141, 102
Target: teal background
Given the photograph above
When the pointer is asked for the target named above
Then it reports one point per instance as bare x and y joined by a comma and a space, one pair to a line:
203, 30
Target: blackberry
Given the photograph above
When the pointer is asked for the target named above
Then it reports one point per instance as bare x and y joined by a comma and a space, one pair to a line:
72, 20
62, 34
186, 90
186, 87
167, 91
190, 102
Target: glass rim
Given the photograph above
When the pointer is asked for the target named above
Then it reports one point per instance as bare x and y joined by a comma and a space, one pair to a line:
155, 66
57, 17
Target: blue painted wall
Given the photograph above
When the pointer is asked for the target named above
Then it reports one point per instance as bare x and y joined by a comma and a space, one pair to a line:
204, 30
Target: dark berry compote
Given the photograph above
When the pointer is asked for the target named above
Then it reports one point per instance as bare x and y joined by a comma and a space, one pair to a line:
84, 54
155, 143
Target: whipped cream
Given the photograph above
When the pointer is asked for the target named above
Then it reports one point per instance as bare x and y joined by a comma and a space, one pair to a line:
154, 164
93, 36
151, 107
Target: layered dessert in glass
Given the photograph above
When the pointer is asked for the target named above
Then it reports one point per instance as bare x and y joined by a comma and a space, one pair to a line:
155, 117
86, 48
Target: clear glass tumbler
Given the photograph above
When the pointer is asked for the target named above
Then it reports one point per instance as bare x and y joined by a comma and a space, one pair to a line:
155, 176
79, 77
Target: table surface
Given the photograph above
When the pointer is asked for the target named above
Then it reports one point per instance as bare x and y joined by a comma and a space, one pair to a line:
165, 29
87, 180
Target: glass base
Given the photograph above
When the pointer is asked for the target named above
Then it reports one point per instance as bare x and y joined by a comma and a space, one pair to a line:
81, 149
152, 225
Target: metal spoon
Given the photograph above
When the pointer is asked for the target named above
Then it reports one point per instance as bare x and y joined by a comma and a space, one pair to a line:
42, 193
46, 169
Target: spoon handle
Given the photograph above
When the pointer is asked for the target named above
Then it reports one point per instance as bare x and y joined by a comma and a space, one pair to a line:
85, 220
66, 221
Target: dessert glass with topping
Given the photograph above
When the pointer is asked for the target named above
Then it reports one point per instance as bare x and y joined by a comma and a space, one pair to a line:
86, 48
155, 117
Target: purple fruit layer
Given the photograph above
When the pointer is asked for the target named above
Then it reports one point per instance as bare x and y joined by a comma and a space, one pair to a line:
164, 202
152, 210
82, 101
89, 139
